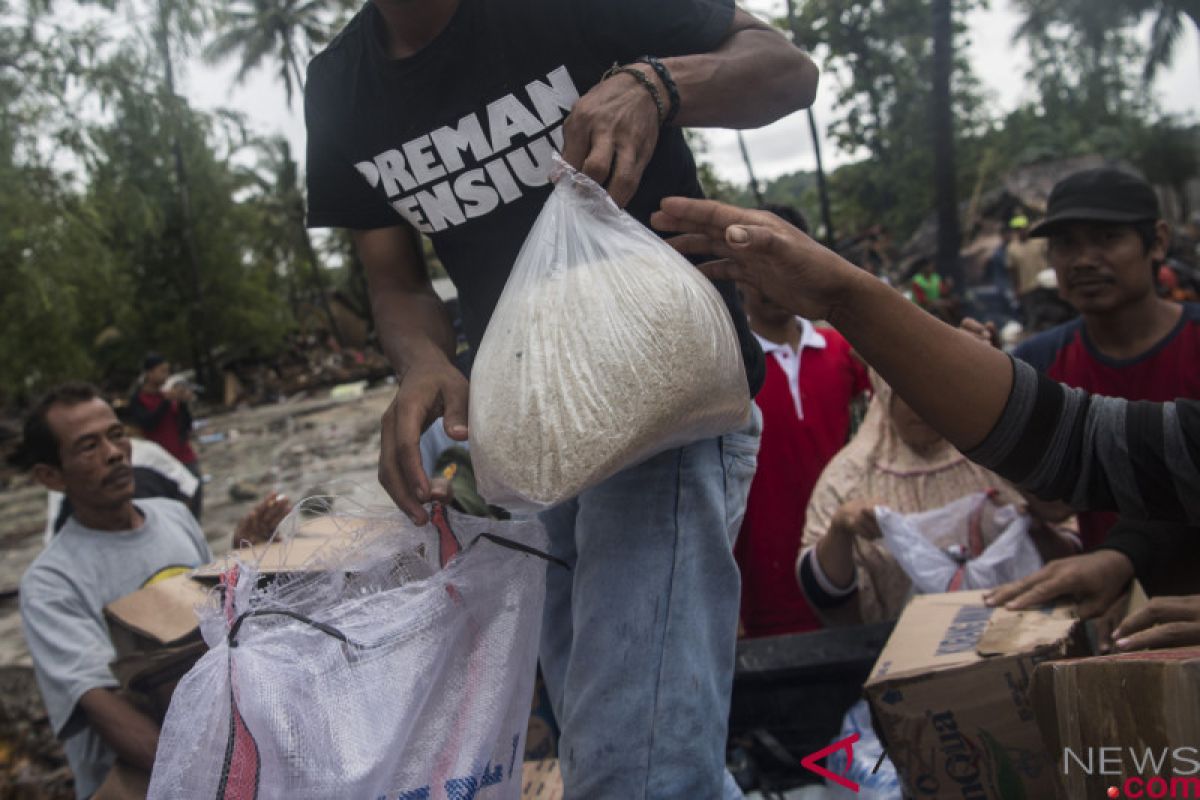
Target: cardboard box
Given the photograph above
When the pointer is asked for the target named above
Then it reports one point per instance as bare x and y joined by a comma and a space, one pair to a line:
322, 536
541, 780
1109, 719
156, 637
950, 696
155, 631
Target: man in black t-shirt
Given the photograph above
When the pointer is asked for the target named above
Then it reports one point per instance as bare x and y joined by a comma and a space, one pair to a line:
441, 117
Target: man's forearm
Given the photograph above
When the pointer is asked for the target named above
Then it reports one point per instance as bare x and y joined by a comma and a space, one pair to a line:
413, 327
754, 62
411, 320
131, 734
956, 383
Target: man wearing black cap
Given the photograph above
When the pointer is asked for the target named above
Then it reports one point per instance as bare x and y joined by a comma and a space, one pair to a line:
1105, 243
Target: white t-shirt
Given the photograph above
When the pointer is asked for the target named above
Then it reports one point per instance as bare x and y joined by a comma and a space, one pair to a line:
63, 595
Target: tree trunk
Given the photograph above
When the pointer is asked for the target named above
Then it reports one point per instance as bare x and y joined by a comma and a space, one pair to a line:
758, 197
201, 348
309, 254
822, 185
949, 238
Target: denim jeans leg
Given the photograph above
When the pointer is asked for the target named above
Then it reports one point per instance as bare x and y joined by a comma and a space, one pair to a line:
639, 660
555, 646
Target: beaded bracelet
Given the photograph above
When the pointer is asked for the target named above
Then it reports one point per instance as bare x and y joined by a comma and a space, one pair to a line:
640, 77
664, 75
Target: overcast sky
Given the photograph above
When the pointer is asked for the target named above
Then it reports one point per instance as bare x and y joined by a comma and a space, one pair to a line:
776, 149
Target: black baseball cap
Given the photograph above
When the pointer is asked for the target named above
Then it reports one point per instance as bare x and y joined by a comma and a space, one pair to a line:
1098, 195
151, 361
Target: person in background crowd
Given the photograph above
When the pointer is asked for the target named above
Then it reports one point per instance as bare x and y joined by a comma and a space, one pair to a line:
895, 460
1028, 267
442, 117
812, 378
1105, 243
932, 292
162, 414
1141, 458
111, 546
1177, 281
871, 250
996, 270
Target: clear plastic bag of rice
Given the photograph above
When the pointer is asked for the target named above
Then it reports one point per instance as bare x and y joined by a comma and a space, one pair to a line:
606, 347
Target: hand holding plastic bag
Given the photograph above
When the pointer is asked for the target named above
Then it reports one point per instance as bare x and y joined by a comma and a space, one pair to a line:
605, 348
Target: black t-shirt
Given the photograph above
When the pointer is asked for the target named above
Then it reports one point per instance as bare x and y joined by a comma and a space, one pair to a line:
458, 138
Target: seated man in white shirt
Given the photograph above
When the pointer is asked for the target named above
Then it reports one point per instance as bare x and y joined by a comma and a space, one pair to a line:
108, 548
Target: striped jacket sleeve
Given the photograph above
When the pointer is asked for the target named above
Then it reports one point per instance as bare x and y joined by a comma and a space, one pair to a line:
1101, 453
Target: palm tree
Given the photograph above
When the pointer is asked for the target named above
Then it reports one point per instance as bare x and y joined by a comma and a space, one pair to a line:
287, 31
180, 20
1170, 21
280, 198
949, 239
1095, 20
822, 185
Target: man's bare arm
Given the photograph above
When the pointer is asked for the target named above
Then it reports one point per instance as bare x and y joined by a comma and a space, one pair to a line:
412, 321
954, 381
418, 337
754, 77
129, 732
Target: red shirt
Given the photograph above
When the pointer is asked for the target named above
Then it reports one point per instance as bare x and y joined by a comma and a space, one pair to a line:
1168, 370
168, 432
797, 443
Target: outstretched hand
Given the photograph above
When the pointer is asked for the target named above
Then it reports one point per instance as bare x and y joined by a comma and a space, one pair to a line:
983, 331
759, 249
1093, 580
1163, 622
259, 525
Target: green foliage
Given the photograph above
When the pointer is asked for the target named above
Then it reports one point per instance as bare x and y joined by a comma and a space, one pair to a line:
104, 213
93, 234
114, 187
285, 33
138, 208
712, 184
878, 59
55, 273
1090, 99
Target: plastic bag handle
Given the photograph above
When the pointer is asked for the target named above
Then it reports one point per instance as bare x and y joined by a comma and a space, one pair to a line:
328, 630
523, 548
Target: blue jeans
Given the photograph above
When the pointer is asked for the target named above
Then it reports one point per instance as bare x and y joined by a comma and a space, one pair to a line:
638, 638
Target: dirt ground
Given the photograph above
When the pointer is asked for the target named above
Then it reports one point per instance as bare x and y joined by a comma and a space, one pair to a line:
304, 448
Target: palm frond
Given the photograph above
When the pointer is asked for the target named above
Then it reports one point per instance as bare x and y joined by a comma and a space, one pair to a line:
1165, 34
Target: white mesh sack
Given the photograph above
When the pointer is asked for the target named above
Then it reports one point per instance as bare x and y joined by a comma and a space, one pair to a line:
606, 347
379, 674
